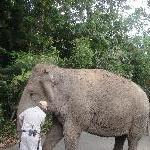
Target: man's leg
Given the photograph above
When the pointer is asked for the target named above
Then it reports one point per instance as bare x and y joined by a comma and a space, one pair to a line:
23, 143
32, 142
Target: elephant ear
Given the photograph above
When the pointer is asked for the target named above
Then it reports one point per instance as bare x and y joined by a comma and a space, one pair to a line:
47, 89
48, 82
53, 78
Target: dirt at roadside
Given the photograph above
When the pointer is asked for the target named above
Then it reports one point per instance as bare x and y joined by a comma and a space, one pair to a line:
8, 142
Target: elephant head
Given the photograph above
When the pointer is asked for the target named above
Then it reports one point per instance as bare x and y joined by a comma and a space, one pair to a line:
40, 86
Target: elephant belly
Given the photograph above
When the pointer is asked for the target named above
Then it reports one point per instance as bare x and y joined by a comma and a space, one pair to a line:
109, 126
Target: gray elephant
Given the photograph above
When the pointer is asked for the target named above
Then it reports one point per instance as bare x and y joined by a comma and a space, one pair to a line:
91, 100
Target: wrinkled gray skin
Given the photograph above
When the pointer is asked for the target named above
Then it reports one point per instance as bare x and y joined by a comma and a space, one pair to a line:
95, 101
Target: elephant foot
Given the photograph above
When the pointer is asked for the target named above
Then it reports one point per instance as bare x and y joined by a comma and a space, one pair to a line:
119, 142
133, 142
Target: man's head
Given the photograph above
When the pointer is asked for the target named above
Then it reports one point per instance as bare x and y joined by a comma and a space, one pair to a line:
43, 105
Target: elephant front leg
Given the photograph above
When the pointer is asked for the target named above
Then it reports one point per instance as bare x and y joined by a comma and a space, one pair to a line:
53, 136
119, 142
72, 134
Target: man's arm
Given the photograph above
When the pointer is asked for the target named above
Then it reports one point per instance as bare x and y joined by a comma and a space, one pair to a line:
43, 121
20, 123
21, 118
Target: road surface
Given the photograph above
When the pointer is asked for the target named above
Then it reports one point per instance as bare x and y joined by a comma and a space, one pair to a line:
89, 142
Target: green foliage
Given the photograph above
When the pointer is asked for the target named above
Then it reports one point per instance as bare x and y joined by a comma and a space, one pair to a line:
115, 60
1, 115
8, 130
141, 57
7, 98
48, 123
137, 21
108, 43
28, 60
82, 54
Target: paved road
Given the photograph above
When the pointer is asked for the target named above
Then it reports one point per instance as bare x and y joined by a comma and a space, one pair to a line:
89, 142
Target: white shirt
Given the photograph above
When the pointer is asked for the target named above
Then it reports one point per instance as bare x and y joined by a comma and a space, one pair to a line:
33, 118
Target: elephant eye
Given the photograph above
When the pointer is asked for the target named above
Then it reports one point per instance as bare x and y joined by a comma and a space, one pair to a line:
31, 94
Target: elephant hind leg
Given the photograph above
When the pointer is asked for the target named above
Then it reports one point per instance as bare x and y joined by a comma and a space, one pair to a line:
54, 135
137, 130
133, 142
119, 142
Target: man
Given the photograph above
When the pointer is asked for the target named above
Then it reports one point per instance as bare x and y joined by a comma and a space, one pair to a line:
31, 121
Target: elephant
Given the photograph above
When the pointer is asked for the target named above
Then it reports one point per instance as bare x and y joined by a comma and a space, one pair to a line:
95, 101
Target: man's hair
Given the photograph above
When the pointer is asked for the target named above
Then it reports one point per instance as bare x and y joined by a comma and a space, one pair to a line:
43, 104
